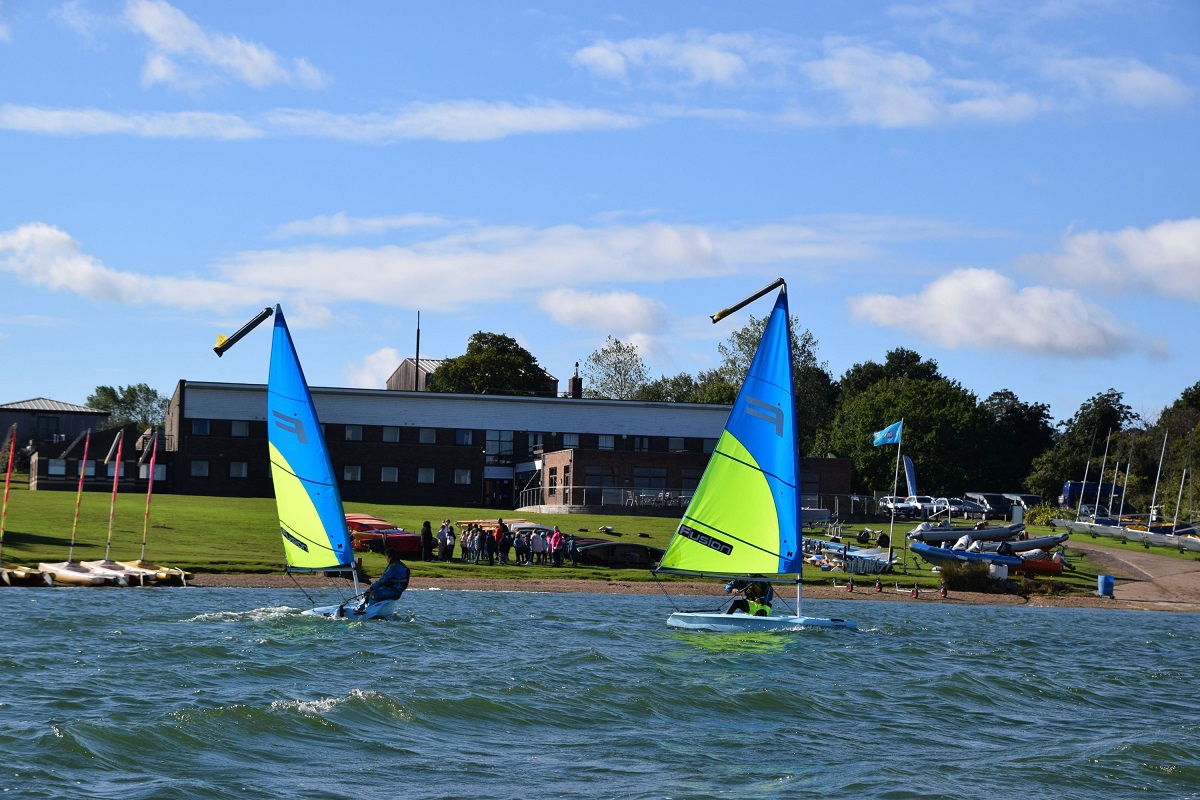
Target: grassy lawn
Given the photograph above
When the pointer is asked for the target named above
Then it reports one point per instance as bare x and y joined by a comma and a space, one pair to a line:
237, 535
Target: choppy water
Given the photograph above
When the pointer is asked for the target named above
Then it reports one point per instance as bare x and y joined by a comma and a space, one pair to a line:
215, 693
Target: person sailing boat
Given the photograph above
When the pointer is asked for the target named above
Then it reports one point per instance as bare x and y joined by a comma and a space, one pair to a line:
755, 600
391, 583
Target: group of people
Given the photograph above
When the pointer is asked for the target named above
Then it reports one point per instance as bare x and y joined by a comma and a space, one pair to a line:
497, 544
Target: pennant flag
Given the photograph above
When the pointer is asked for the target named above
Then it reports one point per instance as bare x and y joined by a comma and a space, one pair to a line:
910, 476
890, 434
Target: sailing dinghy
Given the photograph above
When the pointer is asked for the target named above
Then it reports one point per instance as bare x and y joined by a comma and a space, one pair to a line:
132, 575
13, 574
162, 574
312, 522
743, 521
71, 572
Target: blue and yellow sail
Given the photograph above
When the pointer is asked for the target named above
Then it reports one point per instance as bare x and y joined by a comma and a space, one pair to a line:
311, 519
744, 517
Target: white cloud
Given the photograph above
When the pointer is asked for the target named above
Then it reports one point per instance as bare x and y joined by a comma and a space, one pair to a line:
374, 370
455, 121
42, 255
94, 122
1162, 259
984, 309
1126, 82
620, 313
721, 59
187, 56
341, 224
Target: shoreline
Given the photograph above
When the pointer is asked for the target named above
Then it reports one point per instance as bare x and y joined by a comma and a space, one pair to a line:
864, 592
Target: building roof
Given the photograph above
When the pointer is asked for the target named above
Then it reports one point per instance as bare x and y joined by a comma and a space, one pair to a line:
46, 404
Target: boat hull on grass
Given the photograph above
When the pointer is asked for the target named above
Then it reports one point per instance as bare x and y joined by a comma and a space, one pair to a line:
381, 610
944, 555
165, 575
739, 622
69, 573
17, 575
134, 576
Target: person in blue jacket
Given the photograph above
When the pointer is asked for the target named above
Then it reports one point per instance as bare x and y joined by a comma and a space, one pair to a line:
391, 583
755, 600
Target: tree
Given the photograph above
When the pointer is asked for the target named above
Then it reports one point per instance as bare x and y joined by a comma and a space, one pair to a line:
709, 386
493, 364
1076, 442
1020, 433
616, 371
898, 363
129, 404
943, 427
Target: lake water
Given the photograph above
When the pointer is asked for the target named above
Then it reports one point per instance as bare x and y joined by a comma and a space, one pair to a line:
216, 693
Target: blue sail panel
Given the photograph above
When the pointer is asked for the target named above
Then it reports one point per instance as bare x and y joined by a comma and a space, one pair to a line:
311, 519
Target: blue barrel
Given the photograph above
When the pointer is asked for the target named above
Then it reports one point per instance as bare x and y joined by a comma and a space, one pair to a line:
1104, 586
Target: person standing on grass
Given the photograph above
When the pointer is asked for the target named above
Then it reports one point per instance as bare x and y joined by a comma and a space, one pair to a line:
556, 546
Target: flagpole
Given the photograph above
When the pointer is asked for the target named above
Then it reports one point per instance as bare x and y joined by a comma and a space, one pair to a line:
895, 488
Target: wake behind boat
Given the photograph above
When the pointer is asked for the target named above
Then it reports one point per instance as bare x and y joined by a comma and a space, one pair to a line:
745, 516
312, 521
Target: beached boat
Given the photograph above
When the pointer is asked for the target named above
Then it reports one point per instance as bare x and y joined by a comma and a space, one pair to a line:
312, 521
71, 572
14, 574
931, 533
948, 555
169, 575
133, 575
744, 519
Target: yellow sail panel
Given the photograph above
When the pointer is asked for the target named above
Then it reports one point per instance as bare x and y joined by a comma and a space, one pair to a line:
731, 531
305, 542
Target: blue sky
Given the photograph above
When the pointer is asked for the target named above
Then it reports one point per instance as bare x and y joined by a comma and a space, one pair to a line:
1009, 189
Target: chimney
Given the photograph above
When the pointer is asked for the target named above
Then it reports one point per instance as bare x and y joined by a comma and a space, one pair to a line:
575, 384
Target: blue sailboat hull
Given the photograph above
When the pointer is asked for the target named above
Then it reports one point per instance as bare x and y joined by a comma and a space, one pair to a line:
739, 622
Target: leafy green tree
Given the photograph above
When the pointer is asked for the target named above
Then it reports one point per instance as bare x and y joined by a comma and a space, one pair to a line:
128, 404
709, 386
616, 371
1020, 432
898, 363
1077, 442
943, 427
493, 364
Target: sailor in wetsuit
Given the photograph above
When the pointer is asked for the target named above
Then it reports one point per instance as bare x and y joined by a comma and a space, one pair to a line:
391, 583
755, 600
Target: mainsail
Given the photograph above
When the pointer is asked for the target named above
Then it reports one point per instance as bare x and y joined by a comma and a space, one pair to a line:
744, 517
311, 520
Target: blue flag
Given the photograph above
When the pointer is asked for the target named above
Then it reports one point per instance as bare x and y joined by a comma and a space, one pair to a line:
890, 434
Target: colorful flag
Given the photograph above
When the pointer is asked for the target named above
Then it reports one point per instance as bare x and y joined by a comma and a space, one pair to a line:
910, 476
890, 434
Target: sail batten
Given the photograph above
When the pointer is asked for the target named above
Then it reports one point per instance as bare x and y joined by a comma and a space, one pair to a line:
744, 517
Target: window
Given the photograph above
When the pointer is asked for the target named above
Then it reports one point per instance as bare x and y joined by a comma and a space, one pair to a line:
112, 469
237, 469
650, 477
498, 447
47, 429
352, 472
462, 477
58, 466
552, 489
710, 445
199, 469
425, 474
428, 436
534, 442
641, 444
200, 427
606, 441
354, 433
690, 480
391, 433
160, 472
675, 444
88, 468
570, 440
463, 436
239, 428
389, 474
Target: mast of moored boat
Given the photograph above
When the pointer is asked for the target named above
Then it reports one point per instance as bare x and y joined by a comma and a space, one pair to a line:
79, 495
1103, 464
12, 445
149, 488
118, 445
1154, 496
1083, 488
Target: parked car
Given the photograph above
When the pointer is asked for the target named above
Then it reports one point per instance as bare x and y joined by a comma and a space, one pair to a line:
372, 534
919, 505
890, 504
958, 507
996, 506
626, 555
1025, 501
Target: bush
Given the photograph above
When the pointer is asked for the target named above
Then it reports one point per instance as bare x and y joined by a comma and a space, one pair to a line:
1042, 514
972, 577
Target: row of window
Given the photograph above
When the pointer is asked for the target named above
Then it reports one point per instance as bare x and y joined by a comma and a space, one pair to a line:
498, 443
200, 468
58, 468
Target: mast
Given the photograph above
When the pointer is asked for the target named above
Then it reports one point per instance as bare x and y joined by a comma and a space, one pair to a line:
149, 488
1083, 488
1103, 464
118, 445
79, 495
1154, 497
12, 445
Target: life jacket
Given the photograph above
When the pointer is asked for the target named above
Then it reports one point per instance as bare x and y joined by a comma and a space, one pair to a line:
757, 609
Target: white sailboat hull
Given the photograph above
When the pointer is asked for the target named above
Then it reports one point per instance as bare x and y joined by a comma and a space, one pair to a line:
133, 575
739, 622
69, 573
380, 610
